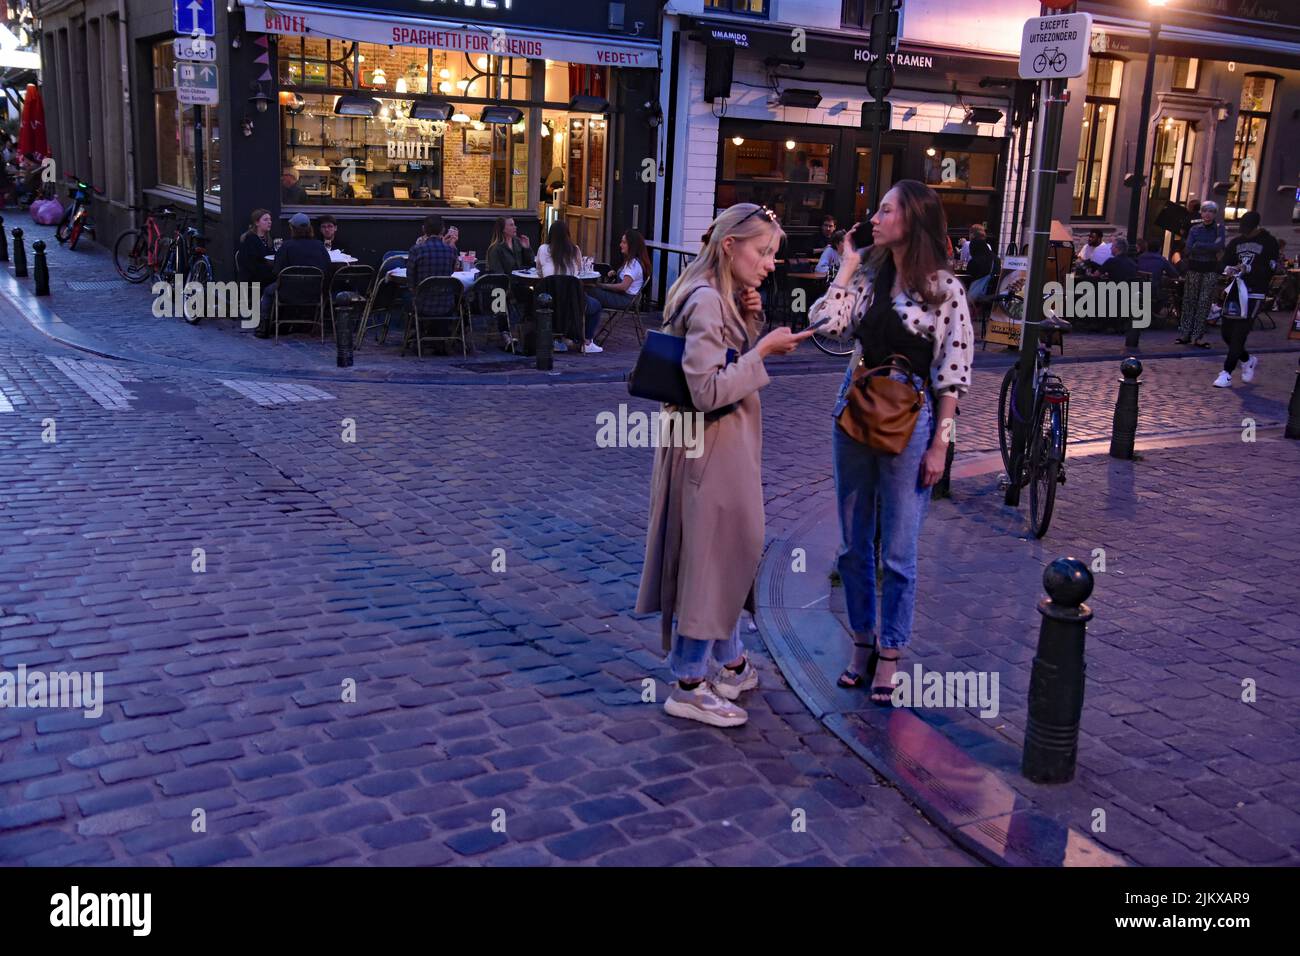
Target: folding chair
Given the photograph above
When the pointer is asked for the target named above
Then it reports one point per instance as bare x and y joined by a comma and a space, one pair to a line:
385, 295
298, 289
445, 294
632, 310
484, 297
1270, 302
351, 278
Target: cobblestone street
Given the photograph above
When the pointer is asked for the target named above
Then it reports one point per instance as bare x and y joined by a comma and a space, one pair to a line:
220, 548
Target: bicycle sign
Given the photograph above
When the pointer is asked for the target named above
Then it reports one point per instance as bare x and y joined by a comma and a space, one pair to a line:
1055, 47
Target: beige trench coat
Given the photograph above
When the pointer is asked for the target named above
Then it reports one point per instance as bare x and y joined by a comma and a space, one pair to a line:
705, 534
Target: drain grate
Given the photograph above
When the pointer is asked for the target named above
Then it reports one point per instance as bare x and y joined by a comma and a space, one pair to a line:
92, 285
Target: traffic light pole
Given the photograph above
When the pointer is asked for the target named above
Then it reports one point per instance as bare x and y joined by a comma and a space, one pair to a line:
1051, 109
880, 79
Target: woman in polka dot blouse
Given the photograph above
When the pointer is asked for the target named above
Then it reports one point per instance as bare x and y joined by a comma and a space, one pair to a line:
925, 318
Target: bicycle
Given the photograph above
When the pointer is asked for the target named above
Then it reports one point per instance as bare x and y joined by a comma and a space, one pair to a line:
76, 219
141, 254
188, 256
1051, 55
1043, 464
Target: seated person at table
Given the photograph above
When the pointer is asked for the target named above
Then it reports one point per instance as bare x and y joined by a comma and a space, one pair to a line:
560, 256
830, 260
1120, 267
328, 229
300, 249
631, 274
254, 247
979, 253
509, 251
451, 238
1150, 261
1094, 250
430, 256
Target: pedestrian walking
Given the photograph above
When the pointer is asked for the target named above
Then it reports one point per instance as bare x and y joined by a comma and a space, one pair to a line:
1204, 246
706, 524
1251, 257
899, 301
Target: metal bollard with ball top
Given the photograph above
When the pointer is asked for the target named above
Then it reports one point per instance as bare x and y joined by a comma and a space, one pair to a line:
20, 255
346, 307
1293, 411
545, 343
42, 269
1124, 428
1057, 680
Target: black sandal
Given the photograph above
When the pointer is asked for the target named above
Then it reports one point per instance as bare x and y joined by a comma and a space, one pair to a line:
1201, 344
886, 689
1182, 341
851, 680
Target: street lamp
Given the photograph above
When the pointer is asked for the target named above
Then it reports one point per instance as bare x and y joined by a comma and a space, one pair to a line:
1136, 179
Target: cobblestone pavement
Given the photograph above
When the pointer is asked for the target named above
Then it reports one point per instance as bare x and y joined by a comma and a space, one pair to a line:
329, 561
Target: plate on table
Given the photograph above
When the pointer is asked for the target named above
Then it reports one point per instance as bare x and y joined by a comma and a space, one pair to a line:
525, 273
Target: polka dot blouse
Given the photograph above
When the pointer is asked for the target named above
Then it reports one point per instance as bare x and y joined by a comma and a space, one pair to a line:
947, 325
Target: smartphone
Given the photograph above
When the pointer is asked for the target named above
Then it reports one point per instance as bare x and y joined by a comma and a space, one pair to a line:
861, 237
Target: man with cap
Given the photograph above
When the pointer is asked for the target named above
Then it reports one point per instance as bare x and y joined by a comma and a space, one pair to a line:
300, 249
1254, 253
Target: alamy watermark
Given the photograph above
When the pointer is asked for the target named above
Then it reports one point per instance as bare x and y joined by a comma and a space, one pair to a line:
946, 689
1099, 299
74, 690
208, 300
636, 429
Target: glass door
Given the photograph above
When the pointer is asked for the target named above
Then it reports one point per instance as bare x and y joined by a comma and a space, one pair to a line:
1171, 167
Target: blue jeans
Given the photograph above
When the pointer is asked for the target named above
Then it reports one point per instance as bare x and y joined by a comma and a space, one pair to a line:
689, 659
863, 479
593, 317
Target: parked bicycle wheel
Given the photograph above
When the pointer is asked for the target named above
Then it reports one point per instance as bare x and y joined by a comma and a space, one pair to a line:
131, 256
1046, 453
832, 345
1006, 413
200, 272
64, 228
78, 226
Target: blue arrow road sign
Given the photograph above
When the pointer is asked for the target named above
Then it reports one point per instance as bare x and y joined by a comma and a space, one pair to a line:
196, 16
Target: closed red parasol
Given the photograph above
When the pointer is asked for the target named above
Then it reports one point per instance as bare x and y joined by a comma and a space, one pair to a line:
31, 130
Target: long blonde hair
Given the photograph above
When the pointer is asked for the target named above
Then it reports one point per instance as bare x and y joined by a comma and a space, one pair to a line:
709, 267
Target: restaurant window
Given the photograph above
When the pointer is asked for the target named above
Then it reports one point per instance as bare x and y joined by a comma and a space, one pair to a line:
857, 13
1248, 144
754, 8
792, 177
174, 131
394, 158
965, 182
1186, 71
1092, 169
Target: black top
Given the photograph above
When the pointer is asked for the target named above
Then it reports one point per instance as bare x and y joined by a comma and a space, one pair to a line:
1120, 268
506, 258
882, 332
253, 266
981, 258
1257, 256
302, 252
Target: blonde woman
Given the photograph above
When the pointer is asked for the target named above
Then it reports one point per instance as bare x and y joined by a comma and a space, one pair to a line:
706, 508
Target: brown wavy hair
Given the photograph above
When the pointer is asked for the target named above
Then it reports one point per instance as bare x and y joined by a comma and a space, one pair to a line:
925, 254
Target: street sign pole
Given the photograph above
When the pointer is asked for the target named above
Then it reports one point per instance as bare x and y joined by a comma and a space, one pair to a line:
884, 40
199, 184
1051, 110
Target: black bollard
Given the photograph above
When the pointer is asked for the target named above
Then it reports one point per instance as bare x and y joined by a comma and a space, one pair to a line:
4, 241
545, 344
346, 306
1056, 681
20, 256
1124, 428
1293, 413
42, 269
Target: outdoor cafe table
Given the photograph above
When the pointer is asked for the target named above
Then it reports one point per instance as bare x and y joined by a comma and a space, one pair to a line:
337, 258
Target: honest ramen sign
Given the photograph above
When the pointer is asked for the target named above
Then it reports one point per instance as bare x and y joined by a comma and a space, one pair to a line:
399, 31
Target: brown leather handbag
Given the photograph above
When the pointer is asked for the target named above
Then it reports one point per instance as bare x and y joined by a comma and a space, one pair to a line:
881, 412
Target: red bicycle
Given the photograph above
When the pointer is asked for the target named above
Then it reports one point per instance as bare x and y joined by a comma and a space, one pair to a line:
144, 253
77, 219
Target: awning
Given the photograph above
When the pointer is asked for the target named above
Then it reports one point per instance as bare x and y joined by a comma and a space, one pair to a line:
912, 61
293, 19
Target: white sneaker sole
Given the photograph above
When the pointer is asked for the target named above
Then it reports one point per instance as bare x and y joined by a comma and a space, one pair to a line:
675, 708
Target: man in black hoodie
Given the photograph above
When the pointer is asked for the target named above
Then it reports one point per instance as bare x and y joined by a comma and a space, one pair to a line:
1253, 251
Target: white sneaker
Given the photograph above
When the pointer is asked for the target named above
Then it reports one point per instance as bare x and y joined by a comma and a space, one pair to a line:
1224, 380
731, 685
591, 348
1248, 369
704, 705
